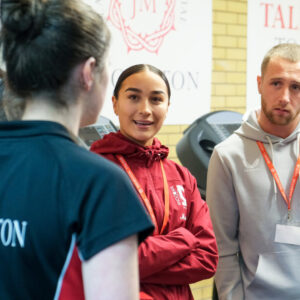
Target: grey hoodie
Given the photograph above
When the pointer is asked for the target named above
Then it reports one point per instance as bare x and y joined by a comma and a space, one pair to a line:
245, 206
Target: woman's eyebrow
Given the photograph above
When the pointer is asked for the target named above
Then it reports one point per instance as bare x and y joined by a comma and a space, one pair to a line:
158, 92
133, 90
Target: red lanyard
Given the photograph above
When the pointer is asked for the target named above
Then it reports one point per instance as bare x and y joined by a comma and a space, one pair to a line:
144, 196
276, 177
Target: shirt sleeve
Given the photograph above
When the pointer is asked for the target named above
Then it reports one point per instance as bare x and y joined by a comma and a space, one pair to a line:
111, 212
184, 255
223, 206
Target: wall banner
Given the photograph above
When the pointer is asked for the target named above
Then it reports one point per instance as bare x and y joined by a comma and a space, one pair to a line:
173, 35
270, 22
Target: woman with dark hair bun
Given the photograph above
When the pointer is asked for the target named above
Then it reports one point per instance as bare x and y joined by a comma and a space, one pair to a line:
59, 201
182, 249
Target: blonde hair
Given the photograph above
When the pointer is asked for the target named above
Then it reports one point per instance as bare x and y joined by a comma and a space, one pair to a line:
288, 51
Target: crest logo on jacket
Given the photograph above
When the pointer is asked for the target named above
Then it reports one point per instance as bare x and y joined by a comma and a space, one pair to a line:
178, 193
143, 23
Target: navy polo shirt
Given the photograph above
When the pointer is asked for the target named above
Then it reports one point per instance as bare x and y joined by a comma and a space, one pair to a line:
54, 193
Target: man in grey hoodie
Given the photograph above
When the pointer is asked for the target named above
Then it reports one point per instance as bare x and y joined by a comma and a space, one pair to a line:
253, 190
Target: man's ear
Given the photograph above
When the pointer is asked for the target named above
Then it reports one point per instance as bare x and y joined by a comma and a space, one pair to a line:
87, 73
114, 102
259, 79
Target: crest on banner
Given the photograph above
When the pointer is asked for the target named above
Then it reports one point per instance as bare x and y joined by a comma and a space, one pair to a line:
144, 24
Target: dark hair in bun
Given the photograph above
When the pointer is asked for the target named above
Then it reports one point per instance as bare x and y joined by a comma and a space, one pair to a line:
23, 18
43, 40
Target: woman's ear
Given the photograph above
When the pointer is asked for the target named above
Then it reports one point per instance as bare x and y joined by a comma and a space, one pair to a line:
87, 73
115, 106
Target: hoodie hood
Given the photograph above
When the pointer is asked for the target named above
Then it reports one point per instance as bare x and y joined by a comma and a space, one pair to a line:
116, 143
251, 130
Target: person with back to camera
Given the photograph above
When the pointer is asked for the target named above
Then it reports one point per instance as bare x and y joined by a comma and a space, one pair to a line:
182, 249
55, 196
253, 190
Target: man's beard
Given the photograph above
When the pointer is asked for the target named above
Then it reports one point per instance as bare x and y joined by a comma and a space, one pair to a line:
278, 120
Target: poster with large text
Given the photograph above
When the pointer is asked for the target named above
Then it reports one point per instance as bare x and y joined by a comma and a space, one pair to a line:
270, 22
173, 35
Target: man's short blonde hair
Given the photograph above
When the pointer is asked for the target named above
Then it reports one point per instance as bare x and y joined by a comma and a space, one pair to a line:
288, 51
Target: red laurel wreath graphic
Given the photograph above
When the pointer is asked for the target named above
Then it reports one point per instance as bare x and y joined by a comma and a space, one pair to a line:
151, 42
